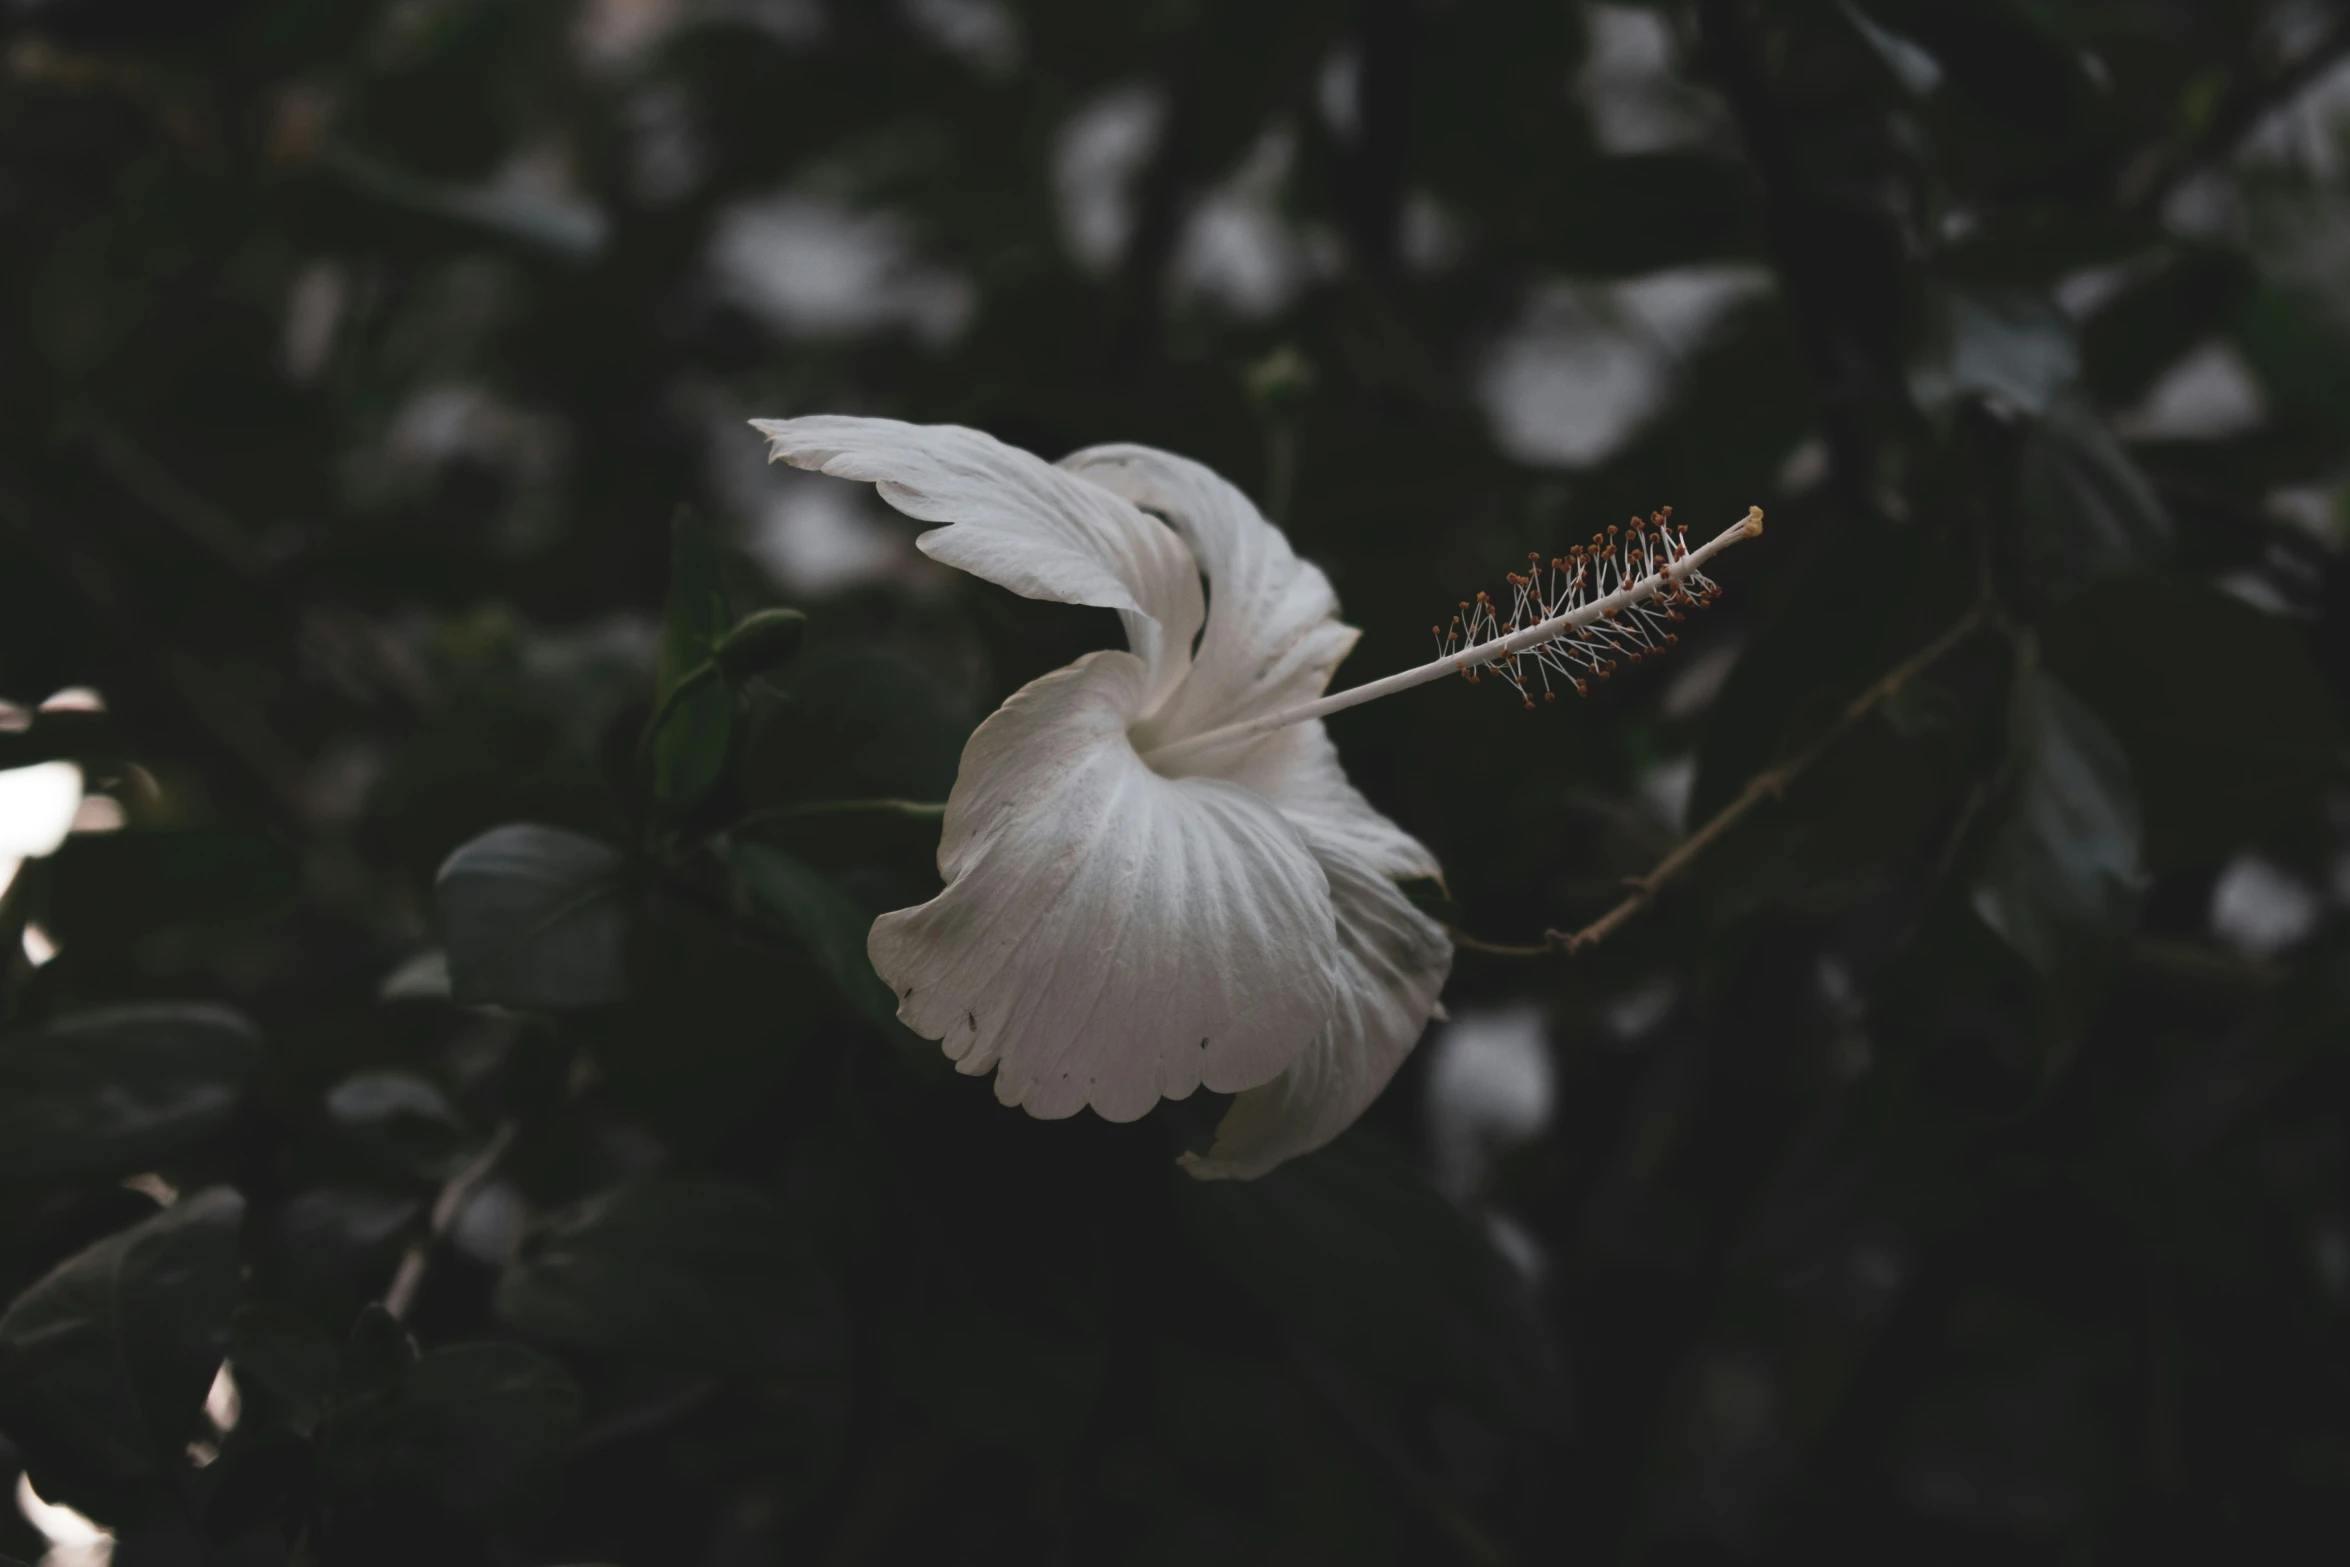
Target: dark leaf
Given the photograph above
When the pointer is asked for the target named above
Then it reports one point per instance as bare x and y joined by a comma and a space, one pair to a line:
2016, 348
2298, 343
105, 1362
1873, 599
2208, 1092
400, 1119
824, 918
369, 1374
1911, 63
2062, 880
2228, 727
2003, 63
112, 887
696, 711
534, 916
469, 1423
2158, 315
859, 725
320, 1239
361, 1436
763, 641
266, 1471
1353, 1249
695, 616
833, 928
488, 1417
682, 1267
282, 1354
118, 1091
2086, 510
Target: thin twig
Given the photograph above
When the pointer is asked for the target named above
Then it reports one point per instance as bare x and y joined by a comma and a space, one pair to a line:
2154, 174
1500, 949
2200, 965
408, 1281
1769, 784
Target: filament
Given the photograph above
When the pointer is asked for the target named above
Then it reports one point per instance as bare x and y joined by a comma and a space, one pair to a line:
1587, 574
1578, 619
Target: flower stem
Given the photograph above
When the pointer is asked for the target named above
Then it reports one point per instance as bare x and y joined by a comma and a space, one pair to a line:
1769, 784
408, 1280
1471, 657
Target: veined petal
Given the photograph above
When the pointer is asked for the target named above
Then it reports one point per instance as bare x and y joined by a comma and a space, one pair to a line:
1107, 936
1393, 960
1019, 522
1272, 635
1298, 770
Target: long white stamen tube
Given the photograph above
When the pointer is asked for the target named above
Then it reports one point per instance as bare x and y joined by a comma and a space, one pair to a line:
1471, 657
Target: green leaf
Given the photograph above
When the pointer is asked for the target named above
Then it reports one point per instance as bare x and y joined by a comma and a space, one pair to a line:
534, 916
2062, 879
404, 1122
695, 713
105, 1362
825, 918
858, 725
2226, 721
833, 927
762, 641
283, 1355
2086, 509
687, 1268
117, 1091
470, 1423
369, 1375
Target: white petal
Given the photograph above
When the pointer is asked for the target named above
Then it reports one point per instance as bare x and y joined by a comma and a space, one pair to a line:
1272, 638
1019, 522
1392, 962
37, 806
1297, 768
1109, 936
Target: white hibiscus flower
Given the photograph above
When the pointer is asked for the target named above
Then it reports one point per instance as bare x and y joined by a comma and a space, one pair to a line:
1157, 875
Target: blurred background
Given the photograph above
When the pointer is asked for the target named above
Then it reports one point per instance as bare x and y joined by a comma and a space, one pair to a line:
1949, 1163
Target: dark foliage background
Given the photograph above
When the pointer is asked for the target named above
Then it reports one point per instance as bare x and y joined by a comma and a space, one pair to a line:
1950, 1164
